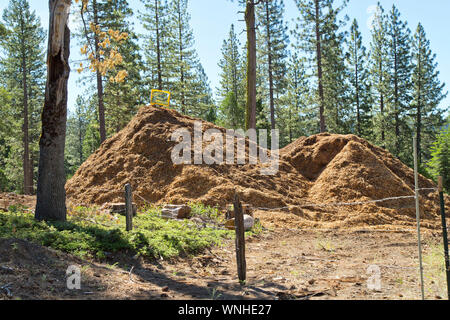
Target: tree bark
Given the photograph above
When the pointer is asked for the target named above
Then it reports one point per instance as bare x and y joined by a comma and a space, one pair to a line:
251, 64
319, 70
396, 97
27, 177
269, 58
158, 46
382, 104
180, 34
358, 108
101, 104
51, 195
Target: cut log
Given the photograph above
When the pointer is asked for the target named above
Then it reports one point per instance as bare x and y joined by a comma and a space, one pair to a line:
249, 222
176, 211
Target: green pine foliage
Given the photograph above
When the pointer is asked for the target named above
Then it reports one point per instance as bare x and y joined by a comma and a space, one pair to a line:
439, 164
400, 66
22, 62
359, 98
122, 99
272, 53
157, 44
231, 93
80, 141
427, 94
187, 84
321, 28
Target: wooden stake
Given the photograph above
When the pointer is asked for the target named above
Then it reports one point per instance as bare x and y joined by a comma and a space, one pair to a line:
129, 207
444, 234
240, 239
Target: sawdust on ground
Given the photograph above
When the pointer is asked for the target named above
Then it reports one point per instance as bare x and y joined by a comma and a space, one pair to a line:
321, 169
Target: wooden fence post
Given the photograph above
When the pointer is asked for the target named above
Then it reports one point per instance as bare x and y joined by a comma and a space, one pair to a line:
240, 239
444, 234
129, 207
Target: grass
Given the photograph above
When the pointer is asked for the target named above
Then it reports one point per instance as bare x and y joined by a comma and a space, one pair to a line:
434, 271
89, 233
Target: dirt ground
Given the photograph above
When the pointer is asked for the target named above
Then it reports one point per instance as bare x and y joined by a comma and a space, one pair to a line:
281, 264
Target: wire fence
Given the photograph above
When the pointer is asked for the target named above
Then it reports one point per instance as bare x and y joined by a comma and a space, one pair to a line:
288, 207
204, 224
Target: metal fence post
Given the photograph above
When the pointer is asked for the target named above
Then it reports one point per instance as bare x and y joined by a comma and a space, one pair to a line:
416, 190
444, 234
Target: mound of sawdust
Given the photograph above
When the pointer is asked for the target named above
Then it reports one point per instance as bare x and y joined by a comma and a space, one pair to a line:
322, 169
13, 199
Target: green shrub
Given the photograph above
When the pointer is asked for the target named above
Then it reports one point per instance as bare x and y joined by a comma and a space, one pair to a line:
102, 234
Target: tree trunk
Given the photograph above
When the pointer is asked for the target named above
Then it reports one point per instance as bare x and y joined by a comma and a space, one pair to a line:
382, 104
396, 97
101, 105
319, 70
80, 139
158, 46
51, 195
180, 34
251, 64
358, 108
27, 178
269, 58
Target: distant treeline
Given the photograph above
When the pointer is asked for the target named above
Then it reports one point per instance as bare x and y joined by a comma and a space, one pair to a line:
325, 80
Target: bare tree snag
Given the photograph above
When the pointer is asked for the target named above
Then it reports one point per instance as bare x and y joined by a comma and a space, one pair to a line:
51, 195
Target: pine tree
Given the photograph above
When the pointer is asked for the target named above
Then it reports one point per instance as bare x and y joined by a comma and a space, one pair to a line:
439, 164
299, 117
23, 73
231, 92
359, 89
338, 111
77, 124
200, 102
187, 84
5, 132
91, 39
110, 45
317, 36
2, 32
157, 43
427, 93
379, 75
122, 98
399, 40
275, 40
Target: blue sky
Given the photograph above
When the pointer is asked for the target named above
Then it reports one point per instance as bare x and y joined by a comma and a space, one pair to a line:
211, 20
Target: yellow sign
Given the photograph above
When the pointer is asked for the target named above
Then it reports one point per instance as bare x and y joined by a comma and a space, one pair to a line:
160, 98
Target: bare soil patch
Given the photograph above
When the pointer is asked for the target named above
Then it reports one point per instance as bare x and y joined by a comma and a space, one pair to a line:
281, 265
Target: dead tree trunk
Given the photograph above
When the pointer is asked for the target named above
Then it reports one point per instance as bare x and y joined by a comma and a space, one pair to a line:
51, 195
